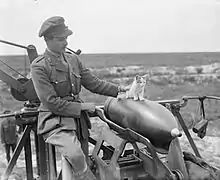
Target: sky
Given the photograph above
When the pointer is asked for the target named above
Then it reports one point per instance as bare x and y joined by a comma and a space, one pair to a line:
115, 26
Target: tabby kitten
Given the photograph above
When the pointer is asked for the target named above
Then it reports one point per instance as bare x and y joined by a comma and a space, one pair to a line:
136, 90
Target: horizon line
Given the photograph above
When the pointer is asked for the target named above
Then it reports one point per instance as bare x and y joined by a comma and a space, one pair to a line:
175, 52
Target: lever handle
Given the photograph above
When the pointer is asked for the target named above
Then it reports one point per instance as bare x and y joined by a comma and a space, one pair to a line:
200, 128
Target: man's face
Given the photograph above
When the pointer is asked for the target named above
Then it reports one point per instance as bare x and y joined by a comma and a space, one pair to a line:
57, 44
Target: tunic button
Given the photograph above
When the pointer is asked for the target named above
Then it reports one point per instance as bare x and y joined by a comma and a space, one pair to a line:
72, 84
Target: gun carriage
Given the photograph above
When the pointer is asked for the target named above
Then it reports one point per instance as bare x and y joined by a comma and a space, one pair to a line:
149, 128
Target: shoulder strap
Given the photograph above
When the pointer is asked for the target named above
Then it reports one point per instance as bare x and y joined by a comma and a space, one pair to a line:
38, 59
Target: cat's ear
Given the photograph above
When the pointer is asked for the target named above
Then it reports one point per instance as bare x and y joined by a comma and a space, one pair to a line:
150, 73
146, 76
137, 77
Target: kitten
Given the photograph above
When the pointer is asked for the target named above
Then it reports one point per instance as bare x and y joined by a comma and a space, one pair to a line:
137, 87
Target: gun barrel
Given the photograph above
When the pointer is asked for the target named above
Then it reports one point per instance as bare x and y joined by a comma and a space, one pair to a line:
148, 118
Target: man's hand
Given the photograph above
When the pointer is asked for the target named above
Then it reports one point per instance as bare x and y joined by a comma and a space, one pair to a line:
121, 96
88, 107
123, 88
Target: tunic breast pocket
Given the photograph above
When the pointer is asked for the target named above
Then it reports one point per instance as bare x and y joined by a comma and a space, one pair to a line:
76, 82
61, 84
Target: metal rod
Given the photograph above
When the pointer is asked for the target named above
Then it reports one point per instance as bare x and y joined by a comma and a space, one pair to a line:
186, 131
28, 157
16, 153
27, 113
13, 69
104, 148
37, 152
202, 108
200, 97
13, 44
43, 158
213, 97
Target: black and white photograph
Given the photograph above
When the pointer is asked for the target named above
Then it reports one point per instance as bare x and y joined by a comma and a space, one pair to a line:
110, 90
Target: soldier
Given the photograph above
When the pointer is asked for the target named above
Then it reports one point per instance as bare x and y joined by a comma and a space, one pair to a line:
57, 77
8, 135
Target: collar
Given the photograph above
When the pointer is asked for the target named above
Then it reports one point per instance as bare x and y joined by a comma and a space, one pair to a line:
55, 60
54, 54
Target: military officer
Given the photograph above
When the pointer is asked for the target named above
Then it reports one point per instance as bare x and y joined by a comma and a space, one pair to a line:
57, 77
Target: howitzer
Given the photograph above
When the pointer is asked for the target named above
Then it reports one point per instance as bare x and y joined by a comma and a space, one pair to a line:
148, 118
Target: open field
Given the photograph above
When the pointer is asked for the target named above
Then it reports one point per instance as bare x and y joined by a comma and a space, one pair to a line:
144, 59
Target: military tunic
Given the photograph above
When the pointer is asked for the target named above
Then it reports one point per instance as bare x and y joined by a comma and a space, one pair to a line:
58, 86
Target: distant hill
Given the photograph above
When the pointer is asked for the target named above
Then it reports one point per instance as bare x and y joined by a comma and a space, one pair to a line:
151, 59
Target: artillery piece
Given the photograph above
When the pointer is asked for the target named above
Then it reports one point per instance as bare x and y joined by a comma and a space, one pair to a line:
150, 127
